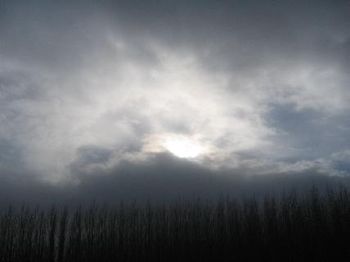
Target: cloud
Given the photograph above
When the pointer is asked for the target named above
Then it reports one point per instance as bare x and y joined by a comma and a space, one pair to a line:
85, 86
161, 179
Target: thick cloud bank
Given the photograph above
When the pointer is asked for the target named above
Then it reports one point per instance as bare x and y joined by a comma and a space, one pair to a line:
259, 87
164, 179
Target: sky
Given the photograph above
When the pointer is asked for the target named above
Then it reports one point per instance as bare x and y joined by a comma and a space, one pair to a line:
156, 98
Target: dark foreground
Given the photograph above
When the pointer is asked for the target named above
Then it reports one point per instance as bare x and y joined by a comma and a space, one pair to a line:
291, 228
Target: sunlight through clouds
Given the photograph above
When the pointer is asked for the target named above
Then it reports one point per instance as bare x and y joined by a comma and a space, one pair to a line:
216, 88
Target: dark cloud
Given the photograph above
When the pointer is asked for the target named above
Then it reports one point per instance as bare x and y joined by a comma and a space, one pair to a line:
160, 180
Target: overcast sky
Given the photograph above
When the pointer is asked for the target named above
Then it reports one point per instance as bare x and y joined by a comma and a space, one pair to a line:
151, 91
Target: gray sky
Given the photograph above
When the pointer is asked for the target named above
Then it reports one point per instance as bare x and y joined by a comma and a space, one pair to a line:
93, 90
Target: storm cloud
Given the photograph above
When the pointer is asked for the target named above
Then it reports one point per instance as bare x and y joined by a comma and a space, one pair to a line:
91, 92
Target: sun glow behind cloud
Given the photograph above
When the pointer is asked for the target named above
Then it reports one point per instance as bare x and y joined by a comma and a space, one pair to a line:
183, 147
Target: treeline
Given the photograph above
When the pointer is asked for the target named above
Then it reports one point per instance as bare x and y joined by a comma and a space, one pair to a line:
313, 227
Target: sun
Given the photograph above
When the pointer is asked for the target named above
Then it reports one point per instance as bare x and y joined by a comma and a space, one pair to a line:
183, 147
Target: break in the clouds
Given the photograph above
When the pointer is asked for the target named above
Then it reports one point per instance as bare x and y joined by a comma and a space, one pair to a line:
256, 86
